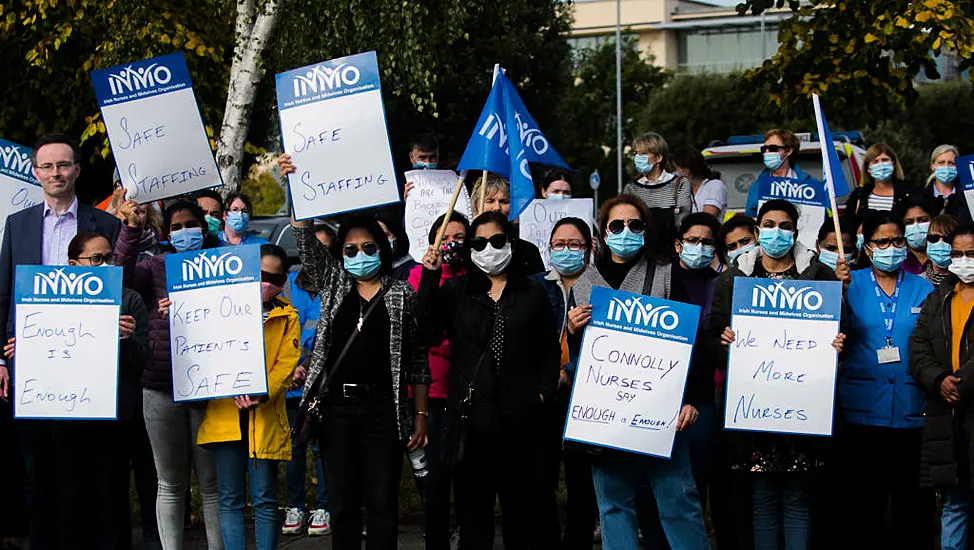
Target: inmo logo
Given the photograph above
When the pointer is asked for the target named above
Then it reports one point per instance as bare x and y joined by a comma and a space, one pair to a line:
322, 78
636, 312
14, 159
73, 284
205, 267
792, 190
133, 80
778, 297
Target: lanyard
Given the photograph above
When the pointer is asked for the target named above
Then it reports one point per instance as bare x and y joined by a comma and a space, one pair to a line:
888, 316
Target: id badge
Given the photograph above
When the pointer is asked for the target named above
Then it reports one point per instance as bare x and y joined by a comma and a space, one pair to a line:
888, 355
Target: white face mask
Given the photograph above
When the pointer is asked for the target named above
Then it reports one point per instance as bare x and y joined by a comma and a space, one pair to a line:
963, 268
492, 260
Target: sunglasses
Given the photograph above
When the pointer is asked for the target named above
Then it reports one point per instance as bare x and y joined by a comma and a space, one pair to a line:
350, 250
772, 148
935, 238
480, 243
276, 279
635, 225
885, 243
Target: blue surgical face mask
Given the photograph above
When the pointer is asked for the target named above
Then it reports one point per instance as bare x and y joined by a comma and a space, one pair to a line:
881, 171
238, 221
643, 166
772, 161
776, 242
362, 266
625, 244
860, 240
732, 255
558, 196
945, 174
831, 259
939, 253
696, 256
567, 262
889, 259
916, 235
424, 166
189, 238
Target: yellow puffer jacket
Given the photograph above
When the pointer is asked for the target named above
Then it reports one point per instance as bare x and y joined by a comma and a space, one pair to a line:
269, 431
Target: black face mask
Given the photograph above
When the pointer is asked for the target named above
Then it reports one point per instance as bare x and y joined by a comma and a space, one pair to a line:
452, 253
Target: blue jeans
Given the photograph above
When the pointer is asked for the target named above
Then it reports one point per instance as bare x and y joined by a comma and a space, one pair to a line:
781, 502
233, 467
954, 519
617, 475
295, 469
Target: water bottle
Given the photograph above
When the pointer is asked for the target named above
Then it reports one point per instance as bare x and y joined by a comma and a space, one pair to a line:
417, 457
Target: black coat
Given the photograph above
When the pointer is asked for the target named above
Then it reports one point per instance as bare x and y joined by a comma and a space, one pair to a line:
955, 205
510, 393
930, 363
132, 354
857, 205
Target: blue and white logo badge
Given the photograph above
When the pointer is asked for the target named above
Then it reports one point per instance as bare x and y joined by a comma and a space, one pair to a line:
807, 193
57, 282
779, 296
35, 284
336, 77
645, 315
213, 266
141, 79
15, 162
131, 79
322, 78
634, 311
795, 299
210, 266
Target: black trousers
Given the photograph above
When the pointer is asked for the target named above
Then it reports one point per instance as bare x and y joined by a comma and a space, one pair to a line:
583, 508
76, 484
881, 468
439, 482
13, 520
508, 465
363, 454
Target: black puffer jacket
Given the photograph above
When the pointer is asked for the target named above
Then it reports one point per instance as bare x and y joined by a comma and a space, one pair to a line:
930, 363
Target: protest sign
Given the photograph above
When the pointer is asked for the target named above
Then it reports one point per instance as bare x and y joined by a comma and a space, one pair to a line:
66, 361
19, 189
540, 217
631, 372
810, 197
154, 125
965, 174
216, 332
427, 201
782, 367
334, 127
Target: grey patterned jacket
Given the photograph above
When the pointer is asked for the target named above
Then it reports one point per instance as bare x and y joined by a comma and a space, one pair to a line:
333, 283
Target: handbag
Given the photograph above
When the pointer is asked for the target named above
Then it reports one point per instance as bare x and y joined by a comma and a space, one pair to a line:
455, 432
311, 413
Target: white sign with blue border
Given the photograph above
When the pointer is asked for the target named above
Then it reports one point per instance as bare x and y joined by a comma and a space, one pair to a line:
782, 368
333, 125
811, 198
965, 174
19, 189
66, 355
160, 146
216, 329
631, 373
539, 219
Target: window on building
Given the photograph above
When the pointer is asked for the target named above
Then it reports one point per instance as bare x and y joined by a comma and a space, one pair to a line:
725, 49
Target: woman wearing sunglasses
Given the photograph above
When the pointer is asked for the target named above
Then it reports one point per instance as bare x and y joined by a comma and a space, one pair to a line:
941, 364
942, 228
780, 466
882, 186
503, 373
916, 213
497, 198
779, 154
367, 351
879, 444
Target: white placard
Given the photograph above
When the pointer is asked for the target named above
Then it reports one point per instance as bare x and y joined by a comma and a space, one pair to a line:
540, 217
154, 125
782, 368
216, 332
334, 127
631, 372
810, 197
427, 201
19, 188
66, 357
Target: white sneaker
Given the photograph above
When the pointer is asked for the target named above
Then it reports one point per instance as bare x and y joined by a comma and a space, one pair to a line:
320, 523
293, 521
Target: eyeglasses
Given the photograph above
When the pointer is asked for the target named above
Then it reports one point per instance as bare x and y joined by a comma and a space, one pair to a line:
635, 225
885, 243
99, 259
277, 279
241, 210
351, 250
62, 166
936, 237
697, 240
956, 254
772, 148
480, 243
744, 241
574, 246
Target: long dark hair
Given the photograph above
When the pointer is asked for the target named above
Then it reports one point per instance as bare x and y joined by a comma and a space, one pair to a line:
393, 221
875, 220
454, 217
77, 245
366, 222
693, 161
706, 220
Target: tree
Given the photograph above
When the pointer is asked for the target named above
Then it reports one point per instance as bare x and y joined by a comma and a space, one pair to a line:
859, 53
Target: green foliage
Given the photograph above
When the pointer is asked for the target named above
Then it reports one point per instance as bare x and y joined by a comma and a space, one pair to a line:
860, 55
265, 191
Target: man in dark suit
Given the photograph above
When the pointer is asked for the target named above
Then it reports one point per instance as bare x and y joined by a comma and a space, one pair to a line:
40, 236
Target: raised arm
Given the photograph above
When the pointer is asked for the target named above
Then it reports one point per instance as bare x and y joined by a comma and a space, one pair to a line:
321, 268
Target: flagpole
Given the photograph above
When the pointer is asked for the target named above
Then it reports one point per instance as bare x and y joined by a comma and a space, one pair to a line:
619, 95
827, 171
449, 212
483, 192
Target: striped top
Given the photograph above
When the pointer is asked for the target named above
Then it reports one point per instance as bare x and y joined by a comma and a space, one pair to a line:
669, 191
879, 202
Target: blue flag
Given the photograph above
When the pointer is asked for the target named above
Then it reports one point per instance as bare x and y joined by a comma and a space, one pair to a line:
831, 167
505, 140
